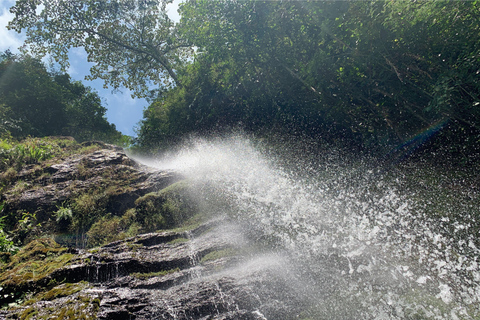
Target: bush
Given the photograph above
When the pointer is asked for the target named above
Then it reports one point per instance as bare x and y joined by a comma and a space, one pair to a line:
168, 208
6, 244
107, 229
112, 228
64, 214
29, 151
86, 209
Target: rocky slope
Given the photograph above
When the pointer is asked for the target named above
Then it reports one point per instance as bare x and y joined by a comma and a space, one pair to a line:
198, 274
203, 271
104, 167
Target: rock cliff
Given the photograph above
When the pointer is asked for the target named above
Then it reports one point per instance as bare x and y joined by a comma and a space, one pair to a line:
205, 270
104, 167
198, 274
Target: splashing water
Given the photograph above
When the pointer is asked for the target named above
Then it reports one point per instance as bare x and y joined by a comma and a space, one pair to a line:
363, 247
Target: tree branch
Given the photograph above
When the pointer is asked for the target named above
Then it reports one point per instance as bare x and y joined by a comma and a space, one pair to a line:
155, 55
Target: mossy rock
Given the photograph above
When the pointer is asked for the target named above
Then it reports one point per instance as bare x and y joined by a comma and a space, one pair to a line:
218, 254
32, 264
167, 208
144, 276
63, 290
112, 228
76, 306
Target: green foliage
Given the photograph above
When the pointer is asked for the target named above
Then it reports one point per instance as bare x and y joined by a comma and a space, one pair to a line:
149, 212
63, 290
33, 262
26, 227
5, 145
32, 101
144, 276
6, 244
178, 241
30, 151
167, 208
63, 216
112, 228
132, 43
87, 208
217, 254
36, 102
79, 306
372, 74
353, 71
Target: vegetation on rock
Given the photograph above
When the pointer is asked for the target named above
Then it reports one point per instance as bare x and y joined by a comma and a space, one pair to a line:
84, 194
377, 76
81, 195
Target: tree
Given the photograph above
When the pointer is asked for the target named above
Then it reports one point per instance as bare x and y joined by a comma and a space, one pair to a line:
36, 102
133, 43
32, 100
372, 72
86, 118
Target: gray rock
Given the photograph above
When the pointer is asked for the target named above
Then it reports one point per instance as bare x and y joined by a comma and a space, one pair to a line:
51, 185
151, 276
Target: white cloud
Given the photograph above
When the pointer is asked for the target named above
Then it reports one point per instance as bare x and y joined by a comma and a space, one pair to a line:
9, 39
79, 65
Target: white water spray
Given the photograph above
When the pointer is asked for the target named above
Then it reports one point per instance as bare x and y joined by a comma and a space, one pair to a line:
362, 246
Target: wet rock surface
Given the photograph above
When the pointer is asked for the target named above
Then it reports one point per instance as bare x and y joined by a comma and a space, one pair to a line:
199, 274
211, 271
44, 188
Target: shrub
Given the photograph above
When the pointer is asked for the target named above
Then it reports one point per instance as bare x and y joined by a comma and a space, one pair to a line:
105, 230
6, 244
112, 228
86, 209
63, 214
167, 208
27, 227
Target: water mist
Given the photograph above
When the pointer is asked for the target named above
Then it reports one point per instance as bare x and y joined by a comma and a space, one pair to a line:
355, 243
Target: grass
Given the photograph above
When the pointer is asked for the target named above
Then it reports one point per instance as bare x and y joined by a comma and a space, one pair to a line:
217, 254
166, 209
63, 290
112, 228
80, 307
33, 262
144, 276
20, 187
178, 240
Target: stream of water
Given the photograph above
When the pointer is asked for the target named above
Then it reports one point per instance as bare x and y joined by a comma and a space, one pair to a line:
361, 247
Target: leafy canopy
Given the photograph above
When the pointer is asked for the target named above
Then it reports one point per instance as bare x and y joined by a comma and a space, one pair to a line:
37, 102
374, 73
133, 43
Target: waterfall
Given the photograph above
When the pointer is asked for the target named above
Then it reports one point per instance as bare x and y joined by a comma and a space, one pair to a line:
359, 246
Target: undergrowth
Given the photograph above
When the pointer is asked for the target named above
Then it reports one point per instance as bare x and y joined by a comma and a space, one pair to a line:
32, 263
162, 273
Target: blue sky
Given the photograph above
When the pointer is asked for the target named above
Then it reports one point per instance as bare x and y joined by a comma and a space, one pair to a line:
122, 110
